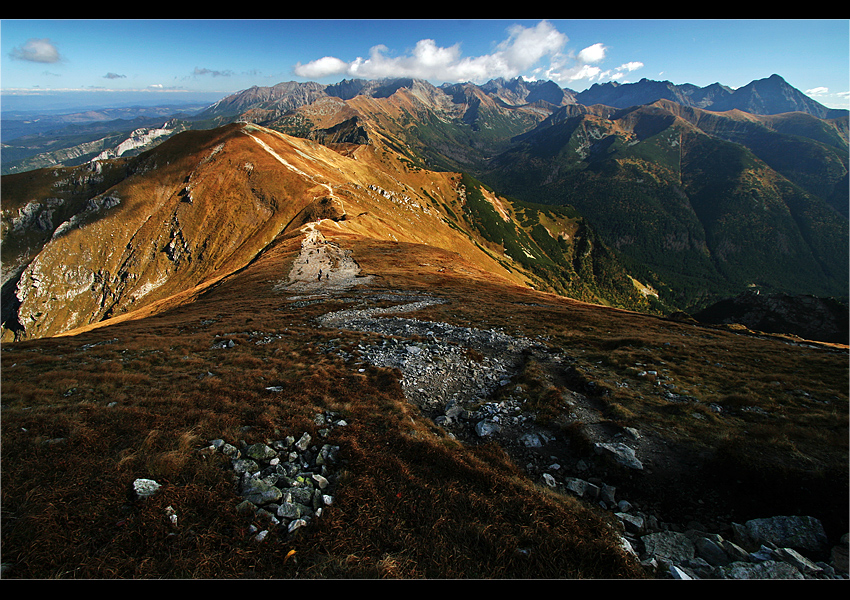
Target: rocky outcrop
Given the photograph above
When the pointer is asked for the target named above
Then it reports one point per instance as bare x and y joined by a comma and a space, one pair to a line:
347, 132
808, 317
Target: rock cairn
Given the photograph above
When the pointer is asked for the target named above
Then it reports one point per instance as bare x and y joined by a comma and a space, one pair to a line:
286, 483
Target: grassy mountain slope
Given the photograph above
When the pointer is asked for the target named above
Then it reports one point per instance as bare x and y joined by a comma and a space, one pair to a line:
206, 203
86, 414
810, 152
704, 217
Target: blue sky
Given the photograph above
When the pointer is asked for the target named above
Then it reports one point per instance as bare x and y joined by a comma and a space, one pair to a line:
212, 58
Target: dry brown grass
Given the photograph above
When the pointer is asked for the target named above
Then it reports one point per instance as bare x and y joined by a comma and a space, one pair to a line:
412, 503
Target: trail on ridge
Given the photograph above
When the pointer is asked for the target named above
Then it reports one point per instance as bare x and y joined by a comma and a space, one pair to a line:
322, 266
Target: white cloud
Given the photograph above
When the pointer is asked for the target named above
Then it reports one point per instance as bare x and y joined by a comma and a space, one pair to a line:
829, 99
534, 52
592, 54
323, 67
818, 91
37, 50
524, 47
567, 69
630, 66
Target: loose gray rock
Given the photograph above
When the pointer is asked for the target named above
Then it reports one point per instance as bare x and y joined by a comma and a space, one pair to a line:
304, 442
711, 552
531, 440
245, 465
765, 570
621, 453
800, 533
582, 488
672, 545
260, 452
259, 492
145, 488
797, 560
634, 523
487, 428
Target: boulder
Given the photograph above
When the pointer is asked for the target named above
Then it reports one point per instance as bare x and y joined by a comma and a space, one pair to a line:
769, 569
259, 492
621, 454
800, 533
671, 545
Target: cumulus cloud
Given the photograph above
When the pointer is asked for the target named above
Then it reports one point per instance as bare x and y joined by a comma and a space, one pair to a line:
830, 99
37, 50
592, 54
521, 51
114, 76
322, 67
630, 66
818, 91
536, 52
567, 69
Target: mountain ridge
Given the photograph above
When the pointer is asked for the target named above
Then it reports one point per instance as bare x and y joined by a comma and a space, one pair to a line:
771, 95
205, 203
520, 140
276, 101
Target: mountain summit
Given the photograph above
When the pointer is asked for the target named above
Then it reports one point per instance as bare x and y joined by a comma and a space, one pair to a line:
770, 96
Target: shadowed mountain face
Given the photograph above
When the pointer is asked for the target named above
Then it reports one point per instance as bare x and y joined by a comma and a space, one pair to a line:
707, 204
769, 96
808, 317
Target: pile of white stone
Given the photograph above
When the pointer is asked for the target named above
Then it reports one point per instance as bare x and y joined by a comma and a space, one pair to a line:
286, 483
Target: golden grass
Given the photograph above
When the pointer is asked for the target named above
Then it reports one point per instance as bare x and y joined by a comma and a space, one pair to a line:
412, 503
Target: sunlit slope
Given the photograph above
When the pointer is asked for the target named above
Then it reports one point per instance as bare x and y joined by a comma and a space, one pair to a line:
204, 204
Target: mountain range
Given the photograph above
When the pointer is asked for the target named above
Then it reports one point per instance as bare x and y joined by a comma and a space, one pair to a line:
647, 196
768, 96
